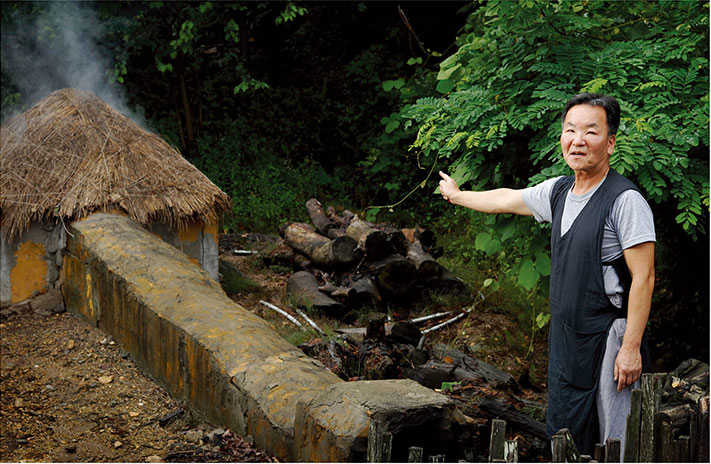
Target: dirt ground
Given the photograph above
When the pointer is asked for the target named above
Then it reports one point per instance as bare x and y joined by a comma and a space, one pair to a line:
68, 393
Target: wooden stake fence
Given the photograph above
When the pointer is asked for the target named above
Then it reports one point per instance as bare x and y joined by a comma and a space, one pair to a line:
649, 436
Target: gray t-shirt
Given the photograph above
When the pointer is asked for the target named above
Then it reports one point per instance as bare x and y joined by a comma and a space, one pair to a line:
629, 223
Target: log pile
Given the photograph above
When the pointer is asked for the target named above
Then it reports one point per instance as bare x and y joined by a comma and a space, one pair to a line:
343, 262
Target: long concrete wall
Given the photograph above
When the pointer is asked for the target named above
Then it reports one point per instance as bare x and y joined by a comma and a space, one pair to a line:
179, 325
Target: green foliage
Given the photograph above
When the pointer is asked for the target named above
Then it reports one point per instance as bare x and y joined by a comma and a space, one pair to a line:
498, 122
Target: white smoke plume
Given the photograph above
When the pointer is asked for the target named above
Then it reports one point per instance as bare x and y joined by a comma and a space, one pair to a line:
61, 48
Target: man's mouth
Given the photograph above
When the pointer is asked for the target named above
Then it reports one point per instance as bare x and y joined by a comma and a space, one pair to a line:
577, 153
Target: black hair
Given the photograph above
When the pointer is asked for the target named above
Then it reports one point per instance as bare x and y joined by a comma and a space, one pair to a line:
607, 102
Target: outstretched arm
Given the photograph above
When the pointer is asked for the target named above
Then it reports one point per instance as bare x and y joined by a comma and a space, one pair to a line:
501, 200
640, 262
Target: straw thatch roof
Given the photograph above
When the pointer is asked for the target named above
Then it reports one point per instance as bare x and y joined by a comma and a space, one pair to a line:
72, 154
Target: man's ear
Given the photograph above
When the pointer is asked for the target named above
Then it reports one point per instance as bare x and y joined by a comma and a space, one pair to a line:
611, 143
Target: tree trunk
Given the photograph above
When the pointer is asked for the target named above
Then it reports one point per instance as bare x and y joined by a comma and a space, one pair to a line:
303, 287
187, 111
321, 250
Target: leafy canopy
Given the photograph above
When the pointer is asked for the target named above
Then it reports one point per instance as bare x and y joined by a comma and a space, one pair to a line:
498, 119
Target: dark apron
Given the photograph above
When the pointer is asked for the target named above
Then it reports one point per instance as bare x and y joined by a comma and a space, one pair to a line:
581, 312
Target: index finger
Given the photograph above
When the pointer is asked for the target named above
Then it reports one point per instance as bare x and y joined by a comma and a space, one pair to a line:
444, 176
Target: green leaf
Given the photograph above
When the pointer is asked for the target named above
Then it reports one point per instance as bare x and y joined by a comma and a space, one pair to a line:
542, 319
543, 264
528, 275
445, 86
392, 125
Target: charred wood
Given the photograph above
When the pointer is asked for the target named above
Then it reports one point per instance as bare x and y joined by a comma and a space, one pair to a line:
303, 287
366, 291
318, 217
374, 243
394, 276
320, 250
427, 267
513, 417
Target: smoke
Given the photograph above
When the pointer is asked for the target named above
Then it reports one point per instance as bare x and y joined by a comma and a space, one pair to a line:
61, 47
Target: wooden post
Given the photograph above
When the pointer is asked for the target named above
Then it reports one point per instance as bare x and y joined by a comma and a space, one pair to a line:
387, 446
666, 450
497, 439
571, 451
414, 454
633, 427
612, 450
380, 443
702, 445
652, 385
511, 451
599, 452
682, 449
559, 448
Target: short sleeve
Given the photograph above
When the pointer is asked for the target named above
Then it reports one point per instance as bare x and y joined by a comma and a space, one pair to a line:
632, 219
538, 199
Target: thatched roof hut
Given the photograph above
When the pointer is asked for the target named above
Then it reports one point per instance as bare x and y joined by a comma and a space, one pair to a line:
72, 154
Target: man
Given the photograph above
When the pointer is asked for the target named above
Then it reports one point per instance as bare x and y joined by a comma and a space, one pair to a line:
602, 273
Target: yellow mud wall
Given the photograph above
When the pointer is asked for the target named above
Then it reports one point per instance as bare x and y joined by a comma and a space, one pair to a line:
229, 364
29, 274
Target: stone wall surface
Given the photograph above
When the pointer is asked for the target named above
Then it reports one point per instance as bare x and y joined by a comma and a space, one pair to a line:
228, 363
30, 263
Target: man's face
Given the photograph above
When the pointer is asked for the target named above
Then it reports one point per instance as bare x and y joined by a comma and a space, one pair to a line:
584, 140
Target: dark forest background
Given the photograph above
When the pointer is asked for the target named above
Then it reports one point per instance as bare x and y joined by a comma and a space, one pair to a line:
359, 104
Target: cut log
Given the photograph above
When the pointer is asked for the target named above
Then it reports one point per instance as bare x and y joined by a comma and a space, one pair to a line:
449, 283
283, 255
516, 419
366, 291
427, 267
303, 287
318, 217
396, 237
373, 242
376, 326
321, 250
394, 277
480, 369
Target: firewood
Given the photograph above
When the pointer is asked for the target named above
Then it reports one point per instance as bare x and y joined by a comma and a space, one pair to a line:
490, 374
449, 283
394, 276
366, 291
373, 242
396, 238
318, 217
425, 236
321, 250
303, 286
516, 419
427, 267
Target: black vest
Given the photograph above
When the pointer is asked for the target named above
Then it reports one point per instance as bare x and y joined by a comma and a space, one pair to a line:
581, 312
